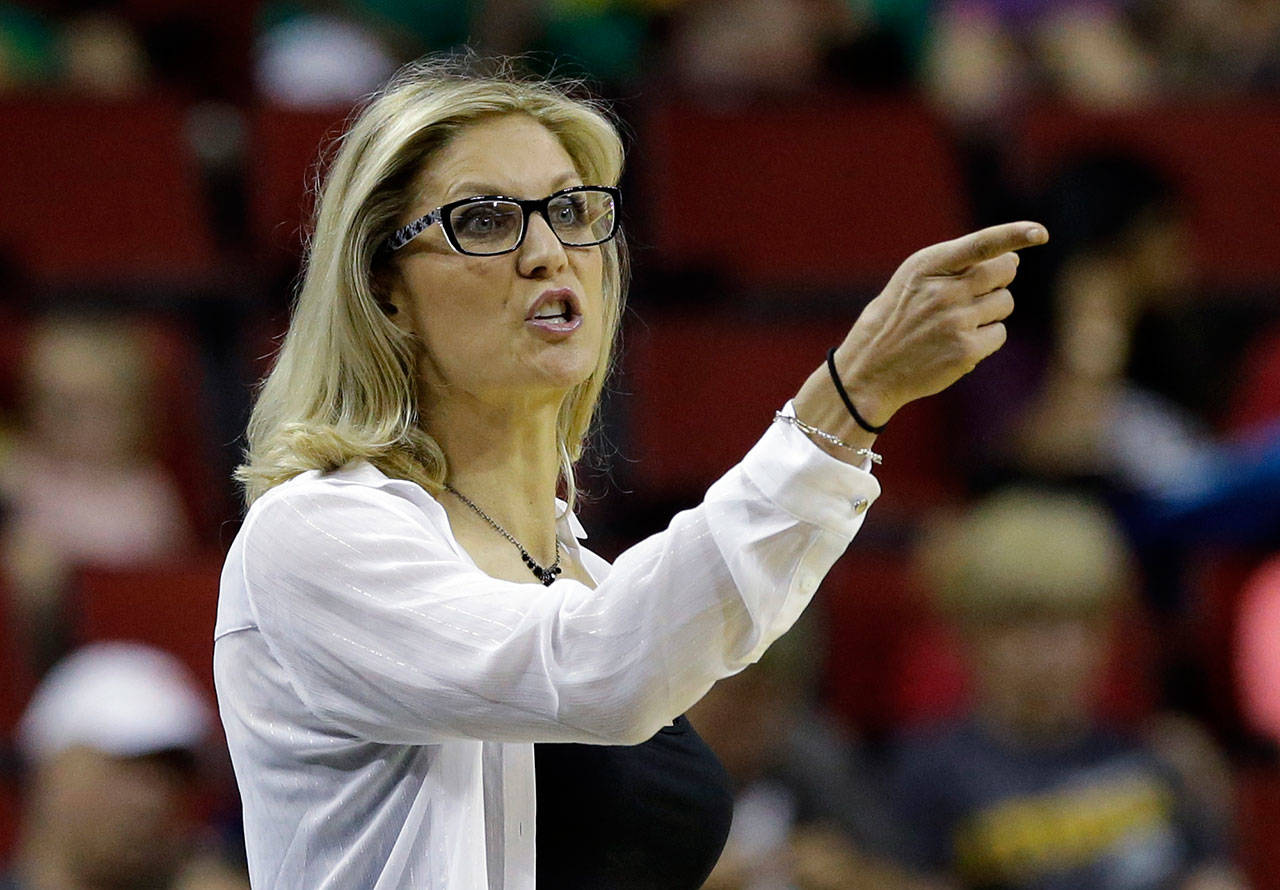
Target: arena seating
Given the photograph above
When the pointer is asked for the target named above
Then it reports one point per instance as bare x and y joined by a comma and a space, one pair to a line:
1258, 824
101, 192
286, 146
17, 682
1255, 402
1222, 154
816, 196
781, 201
18, 678
700, 390
170, 606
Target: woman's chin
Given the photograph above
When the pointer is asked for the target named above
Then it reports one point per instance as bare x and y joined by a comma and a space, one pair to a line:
565, 365
566, 378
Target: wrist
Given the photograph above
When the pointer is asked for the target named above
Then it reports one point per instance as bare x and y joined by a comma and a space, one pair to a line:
871, 405
873, 427
818, 405
826, 440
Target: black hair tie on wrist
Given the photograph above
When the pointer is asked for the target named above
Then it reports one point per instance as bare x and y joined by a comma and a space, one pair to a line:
848, 402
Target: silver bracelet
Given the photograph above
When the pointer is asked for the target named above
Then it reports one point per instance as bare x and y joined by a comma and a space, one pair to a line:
823, 434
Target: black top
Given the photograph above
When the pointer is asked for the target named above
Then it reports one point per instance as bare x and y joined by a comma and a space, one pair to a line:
639, 817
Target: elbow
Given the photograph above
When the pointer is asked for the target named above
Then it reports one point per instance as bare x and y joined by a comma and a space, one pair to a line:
637, 732
624, 722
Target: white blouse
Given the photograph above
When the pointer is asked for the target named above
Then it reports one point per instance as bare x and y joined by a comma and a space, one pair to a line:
381, 695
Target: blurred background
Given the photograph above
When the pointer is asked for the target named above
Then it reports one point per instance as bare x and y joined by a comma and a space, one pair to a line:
1052, 657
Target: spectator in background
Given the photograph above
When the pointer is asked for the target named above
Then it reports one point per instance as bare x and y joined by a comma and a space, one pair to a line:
735, 50
111, 742
28, 49
986, 58
103, 55
320, 54
809, 811
78, 481
743, 48
1136, 370
1124, 392
91, 50
1207, 48
1117, 378
1121, 262
1031, 791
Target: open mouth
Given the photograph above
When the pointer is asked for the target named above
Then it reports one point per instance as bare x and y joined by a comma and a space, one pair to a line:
555, 309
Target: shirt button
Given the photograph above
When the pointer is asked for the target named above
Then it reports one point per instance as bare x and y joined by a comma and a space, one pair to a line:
860, 505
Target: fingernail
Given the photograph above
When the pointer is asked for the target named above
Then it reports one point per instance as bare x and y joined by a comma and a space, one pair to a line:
1037, 233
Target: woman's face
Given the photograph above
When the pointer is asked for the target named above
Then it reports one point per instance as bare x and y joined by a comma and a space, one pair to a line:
475, 315
1039, 675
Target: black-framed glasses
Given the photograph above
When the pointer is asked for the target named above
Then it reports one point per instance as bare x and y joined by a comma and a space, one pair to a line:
488, 225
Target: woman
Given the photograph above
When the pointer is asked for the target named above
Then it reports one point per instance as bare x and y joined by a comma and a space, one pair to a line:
407, 607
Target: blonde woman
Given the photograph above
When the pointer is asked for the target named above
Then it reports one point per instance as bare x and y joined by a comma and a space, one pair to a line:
408, 608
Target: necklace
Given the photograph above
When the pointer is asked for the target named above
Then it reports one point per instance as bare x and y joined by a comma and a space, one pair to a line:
545, 575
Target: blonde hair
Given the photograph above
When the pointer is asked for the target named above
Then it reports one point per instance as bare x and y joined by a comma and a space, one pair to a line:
344, 385
1027, 550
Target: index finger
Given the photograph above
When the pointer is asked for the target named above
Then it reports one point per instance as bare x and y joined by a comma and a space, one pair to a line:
960, 253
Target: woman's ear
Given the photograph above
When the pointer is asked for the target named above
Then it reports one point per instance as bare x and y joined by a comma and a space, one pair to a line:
389, 291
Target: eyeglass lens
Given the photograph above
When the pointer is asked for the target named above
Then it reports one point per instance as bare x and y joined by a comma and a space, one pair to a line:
578, 219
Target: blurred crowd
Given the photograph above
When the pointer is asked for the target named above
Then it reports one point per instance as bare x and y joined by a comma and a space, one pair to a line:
1088, 616
976, 57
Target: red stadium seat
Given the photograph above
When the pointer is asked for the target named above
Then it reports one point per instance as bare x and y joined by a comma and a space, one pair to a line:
17, 682
171, 607
1223, 154
702, 390
285, 154
182, 435
102, 192
13, 346
1258, 825
1256, 399
1216, 580
10, 812
879, 625
815, 196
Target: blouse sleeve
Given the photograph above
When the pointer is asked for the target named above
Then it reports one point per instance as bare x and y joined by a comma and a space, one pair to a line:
387, 634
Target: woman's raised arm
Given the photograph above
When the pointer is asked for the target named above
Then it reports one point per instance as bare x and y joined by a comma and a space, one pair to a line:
939, 315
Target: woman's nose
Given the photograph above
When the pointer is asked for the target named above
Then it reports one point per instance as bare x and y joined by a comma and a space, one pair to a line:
541, 254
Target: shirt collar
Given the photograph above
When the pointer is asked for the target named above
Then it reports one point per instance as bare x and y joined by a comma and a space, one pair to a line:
570, 519
364, 473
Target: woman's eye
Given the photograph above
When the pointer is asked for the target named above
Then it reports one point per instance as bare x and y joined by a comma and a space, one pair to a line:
484, 220
569, 211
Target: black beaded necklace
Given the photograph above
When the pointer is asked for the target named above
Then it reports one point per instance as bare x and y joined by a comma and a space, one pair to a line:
545, 575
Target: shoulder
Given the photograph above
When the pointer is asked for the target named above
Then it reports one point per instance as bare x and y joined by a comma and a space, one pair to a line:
354, 488
355, 509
